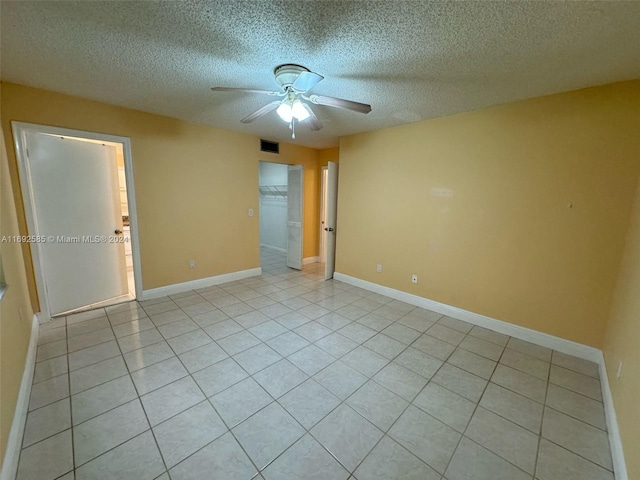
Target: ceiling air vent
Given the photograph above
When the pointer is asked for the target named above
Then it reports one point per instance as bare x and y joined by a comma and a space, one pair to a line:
267, 146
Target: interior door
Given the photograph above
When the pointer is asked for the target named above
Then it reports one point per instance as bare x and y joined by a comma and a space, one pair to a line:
77, 209
331, 215
295, 179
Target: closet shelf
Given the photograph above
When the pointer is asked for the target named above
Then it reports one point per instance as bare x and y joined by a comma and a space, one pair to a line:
274, 191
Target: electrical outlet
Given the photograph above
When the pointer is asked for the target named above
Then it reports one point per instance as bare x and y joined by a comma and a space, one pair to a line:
192, 264
378, 268
619, 371
251, 212
414, 278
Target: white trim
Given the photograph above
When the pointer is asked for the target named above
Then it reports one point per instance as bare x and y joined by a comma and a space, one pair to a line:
323, 213
20, 129
543, 339
133, 214
200, 283
294, 262
14, 442
42, 319
308, 260
615, 442
271, 247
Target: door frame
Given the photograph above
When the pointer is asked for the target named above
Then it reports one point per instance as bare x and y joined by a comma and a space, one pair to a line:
330, 262
323, 213
20, 131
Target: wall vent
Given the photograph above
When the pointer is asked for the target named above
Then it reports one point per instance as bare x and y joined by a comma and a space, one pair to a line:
267, 146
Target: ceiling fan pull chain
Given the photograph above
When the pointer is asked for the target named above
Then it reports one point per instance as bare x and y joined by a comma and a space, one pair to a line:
293, 129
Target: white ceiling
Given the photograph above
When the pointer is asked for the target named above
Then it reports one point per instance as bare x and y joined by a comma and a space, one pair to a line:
409, 60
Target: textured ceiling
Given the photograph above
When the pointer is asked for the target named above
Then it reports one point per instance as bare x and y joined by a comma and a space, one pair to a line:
409, 60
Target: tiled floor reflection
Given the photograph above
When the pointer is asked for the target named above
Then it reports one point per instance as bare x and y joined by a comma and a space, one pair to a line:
287, 377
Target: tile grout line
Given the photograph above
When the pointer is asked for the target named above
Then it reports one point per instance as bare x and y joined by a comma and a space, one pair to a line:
475, 409
222, 419
579, 455
276, 400
390, 361
343, 402
207, 399
384, 432
139, 400
546, 395
73, 447
72, 426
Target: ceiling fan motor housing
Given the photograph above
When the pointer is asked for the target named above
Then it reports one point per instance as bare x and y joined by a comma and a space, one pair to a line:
288, 73
296, 80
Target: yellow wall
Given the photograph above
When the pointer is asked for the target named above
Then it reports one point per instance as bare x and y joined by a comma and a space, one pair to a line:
622, 343
328, 155
477, 205
15, 308
194, 184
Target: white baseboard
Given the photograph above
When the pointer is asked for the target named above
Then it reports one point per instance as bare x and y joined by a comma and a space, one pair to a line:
615, 442
42, 318
543, 339
308, 260
200, 283
14, 442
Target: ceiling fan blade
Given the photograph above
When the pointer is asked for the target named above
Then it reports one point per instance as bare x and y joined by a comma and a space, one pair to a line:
312, 121
306, 81
246, 90
261, 111
340, 103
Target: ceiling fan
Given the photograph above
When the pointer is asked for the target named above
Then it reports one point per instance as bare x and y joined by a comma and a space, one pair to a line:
295, 82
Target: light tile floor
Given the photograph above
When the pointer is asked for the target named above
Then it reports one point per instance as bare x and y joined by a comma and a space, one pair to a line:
286, 376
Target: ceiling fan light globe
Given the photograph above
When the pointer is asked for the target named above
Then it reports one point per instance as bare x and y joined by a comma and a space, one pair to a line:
298, 111
285, 112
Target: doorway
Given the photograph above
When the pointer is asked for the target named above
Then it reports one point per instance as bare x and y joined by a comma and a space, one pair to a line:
80, 209
281, 216
323, 215
272, 181
329, 218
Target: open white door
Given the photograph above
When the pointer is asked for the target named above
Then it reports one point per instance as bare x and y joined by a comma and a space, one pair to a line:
76, 200
331, 215
294, 216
